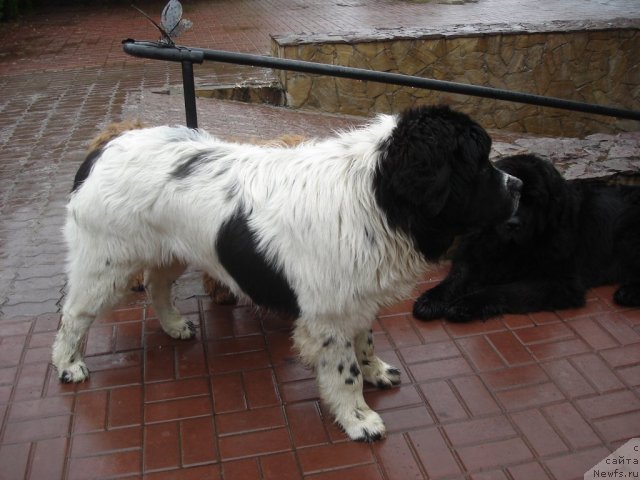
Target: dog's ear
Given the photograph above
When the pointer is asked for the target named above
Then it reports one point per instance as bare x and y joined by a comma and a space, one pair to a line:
559, 199
474, 145
416, 167
425, 183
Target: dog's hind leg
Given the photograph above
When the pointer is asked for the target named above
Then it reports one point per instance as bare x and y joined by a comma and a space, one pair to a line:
90, 294
158, 284
339, 378
374, 370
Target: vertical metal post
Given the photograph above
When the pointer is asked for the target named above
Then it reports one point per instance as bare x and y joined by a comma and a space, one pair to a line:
189, 91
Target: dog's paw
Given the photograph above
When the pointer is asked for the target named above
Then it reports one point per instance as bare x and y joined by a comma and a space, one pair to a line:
458, 313
185, 331
74, 373
379, 373
428, 308
628, 295
177, 327
363, 425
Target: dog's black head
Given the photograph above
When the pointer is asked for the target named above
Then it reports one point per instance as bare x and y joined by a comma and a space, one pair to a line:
544, 200
435, 180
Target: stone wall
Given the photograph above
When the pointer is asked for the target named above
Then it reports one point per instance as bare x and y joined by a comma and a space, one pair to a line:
589, 62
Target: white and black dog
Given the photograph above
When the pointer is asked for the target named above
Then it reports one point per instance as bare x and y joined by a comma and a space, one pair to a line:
328, 231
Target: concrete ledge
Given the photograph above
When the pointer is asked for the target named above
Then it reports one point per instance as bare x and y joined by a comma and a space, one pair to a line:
454, 31
596, 157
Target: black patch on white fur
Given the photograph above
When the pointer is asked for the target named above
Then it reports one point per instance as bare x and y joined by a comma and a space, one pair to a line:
258, 277
187, 167
85, 169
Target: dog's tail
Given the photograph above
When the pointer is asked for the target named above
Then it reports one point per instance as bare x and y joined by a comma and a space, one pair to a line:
97, 144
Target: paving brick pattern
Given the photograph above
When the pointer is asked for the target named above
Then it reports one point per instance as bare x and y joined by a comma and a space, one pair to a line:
518, 397
527, 396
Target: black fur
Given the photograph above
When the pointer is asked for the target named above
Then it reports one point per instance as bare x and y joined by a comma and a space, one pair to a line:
265, 284
435, 180
191, 164
369, 437
328, 341
565, 238
85, 169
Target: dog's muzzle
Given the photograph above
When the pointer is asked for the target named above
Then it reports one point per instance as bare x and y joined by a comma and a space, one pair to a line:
514, 187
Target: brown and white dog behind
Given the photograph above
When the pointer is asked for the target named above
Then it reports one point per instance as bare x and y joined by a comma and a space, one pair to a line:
328, 231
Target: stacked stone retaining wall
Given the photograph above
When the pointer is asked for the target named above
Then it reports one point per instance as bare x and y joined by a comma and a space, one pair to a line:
583, 61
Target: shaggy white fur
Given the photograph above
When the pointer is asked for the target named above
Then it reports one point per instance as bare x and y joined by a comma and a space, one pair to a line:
161, 198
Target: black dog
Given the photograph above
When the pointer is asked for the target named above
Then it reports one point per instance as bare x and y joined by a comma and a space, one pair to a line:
565, 238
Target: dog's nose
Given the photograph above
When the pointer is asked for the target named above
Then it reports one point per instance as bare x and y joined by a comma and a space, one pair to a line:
512, 224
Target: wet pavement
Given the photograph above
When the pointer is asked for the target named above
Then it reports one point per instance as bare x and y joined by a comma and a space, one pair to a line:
537, 396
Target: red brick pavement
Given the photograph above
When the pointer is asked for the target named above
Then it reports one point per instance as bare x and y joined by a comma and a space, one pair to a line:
527, 396
534, 396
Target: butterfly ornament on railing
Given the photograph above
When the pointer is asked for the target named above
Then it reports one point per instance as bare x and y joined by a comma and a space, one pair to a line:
172, 25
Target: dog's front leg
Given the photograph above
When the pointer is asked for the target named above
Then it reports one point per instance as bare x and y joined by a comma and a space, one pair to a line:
374, 370
340, 380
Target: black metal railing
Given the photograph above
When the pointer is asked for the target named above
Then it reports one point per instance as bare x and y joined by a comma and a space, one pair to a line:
187, 56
